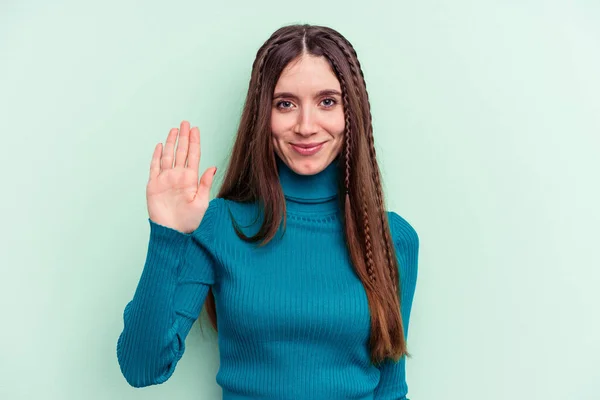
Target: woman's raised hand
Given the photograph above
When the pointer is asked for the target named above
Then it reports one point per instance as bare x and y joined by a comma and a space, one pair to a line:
175, 197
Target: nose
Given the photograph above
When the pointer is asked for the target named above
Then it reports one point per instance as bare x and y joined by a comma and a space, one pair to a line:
307, 122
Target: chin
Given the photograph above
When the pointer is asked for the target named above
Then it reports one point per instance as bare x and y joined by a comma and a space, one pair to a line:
308, 165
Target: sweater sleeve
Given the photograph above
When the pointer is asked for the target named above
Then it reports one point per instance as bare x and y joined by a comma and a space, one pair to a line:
171, 291
392, 383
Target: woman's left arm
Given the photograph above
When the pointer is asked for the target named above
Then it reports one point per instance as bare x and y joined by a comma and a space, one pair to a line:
392, 383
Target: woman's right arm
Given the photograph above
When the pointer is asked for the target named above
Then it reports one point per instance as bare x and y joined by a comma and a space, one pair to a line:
177, 274
179, 267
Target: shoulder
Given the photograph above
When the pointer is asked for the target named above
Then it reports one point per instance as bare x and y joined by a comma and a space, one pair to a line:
406, 244
215, 208
220, 207
223, 214
243, 213
217, 204
405, 236
210, 220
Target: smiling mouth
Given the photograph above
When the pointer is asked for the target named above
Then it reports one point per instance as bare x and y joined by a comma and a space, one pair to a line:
308, 145
308, 149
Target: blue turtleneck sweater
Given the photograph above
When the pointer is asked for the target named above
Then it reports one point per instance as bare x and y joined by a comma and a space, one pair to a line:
293, 318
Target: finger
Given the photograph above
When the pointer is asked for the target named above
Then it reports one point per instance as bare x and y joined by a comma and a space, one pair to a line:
194, 149
182, 144
155, 163
206, 183
167, 156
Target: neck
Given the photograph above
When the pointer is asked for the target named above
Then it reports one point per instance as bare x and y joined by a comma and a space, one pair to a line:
313, 194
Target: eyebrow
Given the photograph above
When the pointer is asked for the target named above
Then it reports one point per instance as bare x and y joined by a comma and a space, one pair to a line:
326, 92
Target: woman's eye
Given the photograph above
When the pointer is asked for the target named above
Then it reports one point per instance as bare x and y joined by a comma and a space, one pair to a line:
283, 102
332, 102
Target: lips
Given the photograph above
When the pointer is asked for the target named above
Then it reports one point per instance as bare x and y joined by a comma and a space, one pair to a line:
307, 145
307, 149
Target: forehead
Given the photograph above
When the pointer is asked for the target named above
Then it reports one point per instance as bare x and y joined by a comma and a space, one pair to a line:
306, 75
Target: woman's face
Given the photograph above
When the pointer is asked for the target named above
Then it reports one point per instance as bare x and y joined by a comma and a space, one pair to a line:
307, 111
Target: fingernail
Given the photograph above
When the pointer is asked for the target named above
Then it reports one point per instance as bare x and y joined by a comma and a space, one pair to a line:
215, 171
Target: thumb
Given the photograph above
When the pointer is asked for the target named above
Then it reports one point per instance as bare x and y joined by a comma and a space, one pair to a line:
206, 181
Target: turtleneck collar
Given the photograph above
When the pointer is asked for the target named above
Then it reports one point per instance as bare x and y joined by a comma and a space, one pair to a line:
316, 193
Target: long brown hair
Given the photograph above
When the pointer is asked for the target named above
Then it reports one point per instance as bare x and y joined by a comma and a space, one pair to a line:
252, 175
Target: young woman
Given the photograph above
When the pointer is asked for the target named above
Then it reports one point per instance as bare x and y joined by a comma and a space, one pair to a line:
311, 278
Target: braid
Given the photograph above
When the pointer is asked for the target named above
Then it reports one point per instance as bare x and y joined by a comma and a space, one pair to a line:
368, 244
347, 152
385, 233
393, 270
367, 233
261, 63
348, 132
351, 56
275, 40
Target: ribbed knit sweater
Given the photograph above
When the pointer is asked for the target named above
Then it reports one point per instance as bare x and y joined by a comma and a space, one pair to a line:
293, 319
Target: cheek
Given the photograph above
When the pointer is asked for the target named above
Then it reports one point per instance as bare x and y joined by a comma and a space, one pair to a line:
277, 133
339, 143
338, 128
278, 124
337, 125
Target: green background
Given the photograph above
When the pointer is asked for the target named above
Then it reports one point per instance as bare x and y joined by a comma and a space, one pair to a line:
486, 118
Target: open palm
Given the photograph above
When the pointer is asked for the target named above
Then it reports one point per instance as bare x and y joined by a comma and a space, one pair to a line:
175, 197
